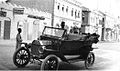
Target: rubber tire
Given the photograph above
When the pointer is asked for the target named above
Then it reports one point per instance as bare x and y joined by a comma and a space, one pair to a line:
46, 59
86, 60
14, 57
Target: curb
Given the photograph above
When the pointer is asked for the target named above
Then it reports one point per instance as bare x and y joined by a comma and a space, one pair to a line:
107, 41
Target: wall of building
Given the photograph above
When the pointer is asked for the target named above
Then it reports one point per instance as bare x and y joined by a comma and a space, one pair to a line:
85, 20
95, 22
9, 17
111, 29
42, 5
31, 27
49, 5
69, 12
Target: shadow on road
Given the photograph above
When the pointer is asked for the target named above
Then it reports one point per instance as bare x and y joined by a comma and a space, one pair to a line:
63, 66
100, 64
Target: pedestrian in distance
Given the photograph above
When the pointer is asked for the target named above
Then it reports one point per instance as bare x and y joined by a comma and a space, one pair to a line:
63, 25
18, 39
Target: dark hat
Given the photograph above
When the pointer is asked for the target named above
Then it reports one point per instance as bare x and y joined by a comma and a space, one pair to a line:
19, 29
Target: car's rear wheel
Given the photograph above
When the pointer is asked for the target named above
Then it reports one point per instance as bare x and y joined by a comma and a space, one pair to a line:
51, 62
21, 57
89, 61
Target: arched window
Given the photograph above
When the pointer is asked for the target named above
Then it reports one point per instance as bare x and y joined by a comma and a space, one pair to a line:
67, 9
63, 8
79, 14
58, 7
76, 14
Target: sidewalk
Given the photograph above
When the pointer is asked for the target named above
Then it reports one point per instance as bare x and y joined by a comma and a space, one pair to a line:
11, 42
7, 42
108, 42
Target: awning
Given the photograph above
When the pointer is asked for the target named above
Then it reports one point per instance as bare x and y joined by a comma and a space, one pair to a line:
108, 29
36, 17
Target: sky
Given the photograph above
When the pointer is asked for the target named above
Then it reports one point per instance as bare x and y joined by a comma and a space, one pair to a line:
110, 6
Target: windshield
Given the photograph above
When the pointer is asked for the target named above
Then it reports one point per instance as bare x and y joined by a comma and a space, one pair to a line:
53, 31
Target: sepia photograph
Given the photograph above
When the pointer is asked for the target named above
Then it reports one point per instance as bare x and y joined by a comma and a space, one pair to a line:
59, 35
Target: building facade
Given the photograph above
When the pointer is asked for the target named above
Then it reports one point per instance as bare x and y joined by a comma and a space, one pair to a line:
95, 20
58, 12
85, 20
67, 11
110, 28
92, 21
30, 20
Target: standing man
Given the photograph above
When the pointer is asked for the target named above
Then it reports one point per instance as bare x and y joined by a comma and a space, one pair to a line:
18, 38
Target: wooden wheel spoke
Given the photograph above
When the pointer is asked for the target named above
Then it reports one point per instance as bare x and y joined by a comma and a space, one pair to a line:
18, 60
21, 61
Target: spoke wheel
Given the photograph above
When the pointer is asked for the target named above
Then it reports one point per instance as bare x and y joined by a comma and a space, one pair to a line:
51, 62
90, 60
21, 57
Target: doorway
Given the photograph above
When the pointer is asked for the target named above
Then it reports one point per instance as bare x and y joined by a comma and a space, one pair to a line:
7, 25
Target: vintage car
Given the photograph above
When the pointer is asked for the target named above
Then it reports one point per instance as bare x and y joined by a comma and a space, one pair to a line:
55, 45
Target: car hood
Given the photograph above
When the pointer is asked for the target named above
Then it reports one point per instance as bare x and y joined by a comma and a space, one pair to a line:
42, 43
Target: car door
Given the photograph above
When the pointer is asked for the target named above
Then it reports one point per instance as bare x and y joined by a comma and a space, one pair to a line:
71, 47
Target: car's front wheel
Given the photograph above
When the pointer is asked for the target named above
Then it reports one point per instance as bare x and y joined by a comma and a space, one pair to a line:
21, 57
51, 62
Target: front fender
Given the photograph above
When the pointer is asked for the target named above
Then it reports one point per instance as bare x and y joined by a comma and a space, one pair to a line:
23, 47
26, 45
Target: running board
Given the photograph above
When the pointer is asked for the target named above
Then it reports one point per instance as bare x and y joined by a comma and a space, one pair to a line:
73, 60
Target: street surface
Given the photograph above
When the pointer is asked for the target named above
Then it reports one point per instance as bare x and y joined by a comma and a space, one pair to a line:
107, 58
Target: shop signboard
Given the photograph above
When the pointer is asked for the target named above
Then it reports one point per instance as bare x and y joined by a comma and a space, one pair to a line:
3, 14
36, 17
18, 10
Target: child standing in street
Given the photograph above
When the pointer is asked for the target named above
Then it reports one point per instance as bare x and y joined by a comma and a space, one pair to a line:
18, 39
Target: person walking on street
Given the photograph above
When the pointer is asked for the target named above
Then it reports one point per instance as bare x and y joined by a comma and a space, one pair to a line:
18, 39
